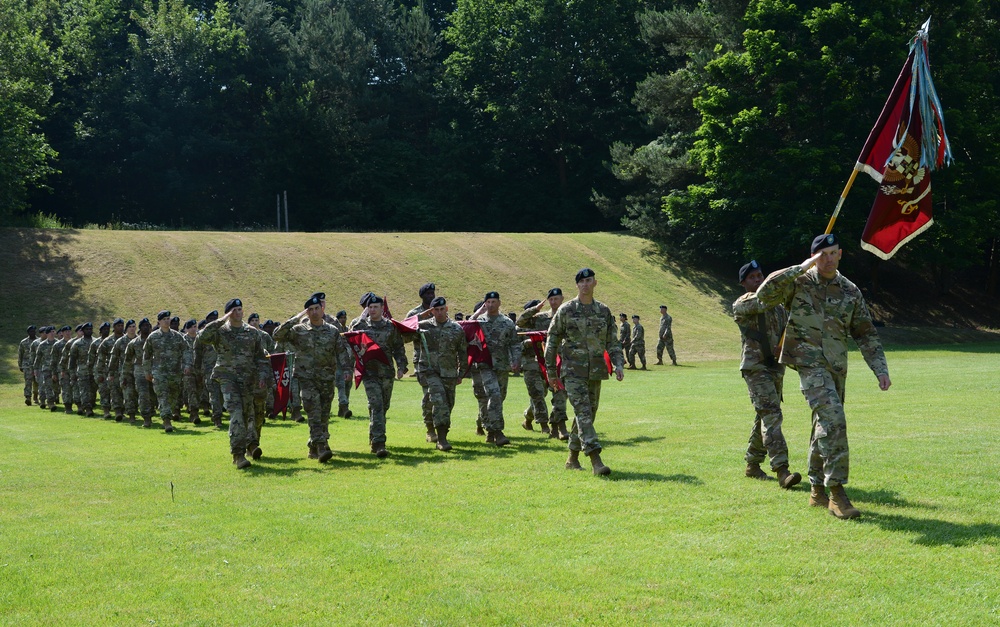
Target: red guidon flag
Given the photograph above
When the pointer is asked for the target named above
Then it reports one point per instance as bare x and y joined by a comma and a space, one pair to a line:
906, 145
365, 350
283, 392
537, 339
478, 352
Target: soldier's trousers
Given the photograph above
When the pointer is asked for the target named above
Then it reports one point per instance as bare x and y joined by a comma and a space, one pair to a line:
84, 392
168, 393
343, 389
214, 392
766, 438
426, 404
142, 393
829, 455
93, 392
638, 350
585, 396
130, 394
558, 413
667, 343
238, 397
442, 393
191, 392
56, 386
478, 392
66, 386
30, 385
105, 389
46, 391
117, 395
379, 392
535, 382
294, 393
317, 397
491, 397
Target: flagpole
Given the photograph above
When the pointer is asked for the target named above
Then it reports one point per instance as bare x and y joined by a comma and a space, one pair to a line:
840, 203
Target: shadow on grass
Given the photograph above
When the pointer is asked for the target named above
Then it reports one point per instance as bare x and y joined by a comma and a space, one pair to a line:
618, 475
932, 532
883, 497
634, 441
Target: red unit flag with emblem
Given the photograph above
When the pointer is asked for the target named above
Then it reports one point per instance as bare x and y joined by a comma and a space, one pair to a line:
283, 391
365, 350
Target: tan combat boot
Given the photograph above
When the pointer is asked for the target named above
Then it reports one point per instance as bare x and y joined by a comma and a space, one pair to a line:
147, 423
563, 433
432, 435
787, 479
500, 439
754, 472
297, 415
324, 454
599, 467
544, 426
254, 451
442, 439
573, 462
313, 452
840, 506
818, 497
217, 421
168, 427
241, 461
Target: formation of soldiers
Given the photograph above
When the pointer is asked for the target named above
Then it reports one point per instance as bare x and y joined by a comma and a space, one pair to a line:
223, 364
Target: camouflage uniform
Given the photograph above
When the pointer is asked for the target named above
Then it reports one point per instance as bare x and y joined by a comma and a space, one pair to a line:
205, 357
116, 380
270, 347
32, 349
343, 380
103, 374
66, 376
532, 320
638, 346
625, 337
581, 334
92, 366
501, 338
240, 365
666, 339
57, 373
440, 365
822, 314
260, 407
322, 355
43, 373
379, 377
190, 390
761, 329
30, 387
133, 358
426, 406
79, 362
163, 359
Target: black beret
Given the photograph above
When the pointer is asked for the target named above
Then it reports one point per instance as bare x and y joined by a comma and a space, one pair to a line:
341, 314
145, 321
366, 298
214, 312
269, 323
65, 327
32, 328
663, 306
555, 291
636, 316
79, 327
439, 302
747, 268
426, 287
531, 303
163, 314
202, 323
233, 303
585, 273
87, 324
490, 295
176, 319
375, 300
254, 315
190, 323
105, 325
622, 315
130, 323
823, 241
319, 295
313, 300
118, 321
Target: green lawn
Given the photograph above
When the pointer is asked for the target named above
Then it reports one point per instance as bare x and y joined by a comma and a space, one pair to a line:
91, 531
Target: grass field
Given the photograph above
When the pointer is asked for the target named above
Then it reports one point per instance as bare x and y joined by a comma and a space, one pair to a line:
104, 523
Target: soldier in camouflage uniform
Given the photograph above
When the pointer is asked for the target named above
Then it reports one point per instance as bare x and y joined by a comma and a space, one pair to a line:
321, 353
102, 367
534, 319
79, 362
43, 369
378, 377
115, 361
63, 335
824, 308
581, 332
343, 378
32, 348
268, 328
68, 377
190, 390
624, 334
126, 371
240, 366
638, 347
505, 349
92, 354
427, 293
164, 364
24, 365
666, 338
260, 407
441, 360
133, 364
205, 357
761, 328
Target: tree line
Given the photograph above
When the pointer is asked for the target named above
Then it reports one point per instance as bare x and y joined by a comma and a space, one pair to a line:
718, 127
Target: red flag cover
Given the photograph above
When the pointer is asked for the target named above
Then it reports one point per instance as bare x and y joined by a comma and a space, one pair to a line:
478, 351
410, 325
537, 339
283, 391
607, 362
365, 350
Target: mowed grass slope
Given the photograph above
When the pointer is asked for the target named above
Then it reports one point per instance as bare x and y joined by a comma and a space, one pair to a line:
104, 523
65, 277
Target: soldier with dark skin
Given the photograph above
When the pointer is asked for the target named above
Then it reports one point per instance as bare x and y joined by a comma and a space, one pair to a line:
761, 329
824, 308
582, 331
23, 348
427, 294
442, 361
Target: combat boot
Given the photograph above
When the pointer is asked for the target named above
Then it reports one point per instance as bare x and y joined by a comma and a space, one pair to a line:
313, 452
340, 411
599, 468
787, 479
573, 461
27, 402
42, 406
544, 426
659, 362
347, 411
53, 407
442, 439
840, 506
297, 415
754, 472
195, 416
90, 413
254, 451
147, 423
563, 433
479, 429
217, 421
432, 436
241, 461
490, 437
324, 454
69, 408
500, 439
119, 417
818, 497
527, 424
168, 427
131, 417
674, 362
378, 449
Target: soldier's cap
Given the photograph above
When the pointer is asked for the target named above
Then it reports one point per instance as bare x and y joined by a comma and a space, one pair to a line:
555, 291
823, 241
130, 323
118, 321
531, 303
459, 316
65, 328
663, 306
269, 323
233, 303
105, 325
439, 302
366, 298
747, 268
585, 273
190, 323
163, 314
145, 321
256, 316
426, 287
375, 300
313, 300
490, 295
622, 315
79, 327
176, 319
341, 314
635, 316
319, 295
31, 328
212, 314
201, 324
87, 325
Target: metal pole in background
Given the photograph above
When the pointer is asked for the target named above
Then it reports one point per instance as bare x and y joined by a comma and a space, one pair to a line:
277, 198
286, 211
